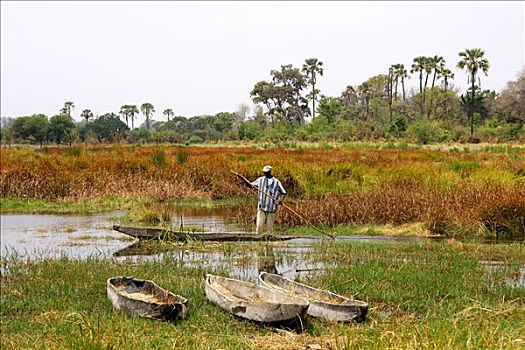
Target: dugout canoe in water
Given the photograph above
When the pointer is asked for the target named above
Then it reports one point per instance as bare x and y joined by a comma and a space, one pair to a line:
323, 304
152, 233
146, 299
252, 301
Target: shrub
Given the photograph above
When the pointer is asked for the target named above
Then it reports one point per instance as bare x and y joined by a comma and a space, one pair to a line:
74, 151
195, 139
398, 125
182, 156
158, 157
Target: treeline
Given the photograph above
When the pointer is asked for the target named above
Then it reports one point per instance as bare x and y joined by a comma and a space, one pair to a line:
379, 108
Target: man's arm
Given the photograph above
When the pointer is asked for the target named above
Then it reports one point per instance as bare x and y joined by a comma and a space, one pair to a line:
282, 191
255, 183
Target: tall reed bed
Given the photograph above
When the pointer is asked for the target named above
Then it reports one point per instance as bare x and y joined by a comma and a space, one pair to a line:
482, 191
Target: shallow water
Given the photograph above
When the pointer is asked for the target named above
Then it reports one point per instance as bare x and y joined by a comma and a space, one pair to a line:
494, 269
54, 236
36, 237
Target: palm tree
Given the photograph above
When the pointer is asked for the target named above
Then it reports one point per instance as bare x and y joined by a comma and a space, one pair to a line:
311, 68
168, 113
124, 112
399, 73
132, 110
389, 88
472, 61
428, 66
147, 109
437, 64
395, 77
68, 107
86, 114
363, 91
403, 74
446, 74
418, 67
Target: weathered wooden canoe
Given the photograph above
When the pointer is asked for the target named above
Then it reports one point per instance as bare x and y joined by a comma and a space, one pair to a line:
152, 233
144, 298
323, 304
252, 301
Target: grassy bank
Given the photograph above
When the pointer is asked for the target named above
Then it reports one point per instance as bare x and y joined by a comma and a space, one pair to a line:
63, 206
136, 205
421, 295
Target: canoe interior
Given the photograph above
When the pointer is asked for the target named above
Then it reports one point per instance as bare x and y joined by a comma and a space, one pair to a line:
145, 298
241, 291
303, 290
153, 233
144, 290
323, 304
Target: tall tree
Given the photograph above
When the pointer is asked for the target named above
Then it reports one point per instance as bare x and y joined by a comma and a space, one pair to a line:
60, 127
147, 109
390, 91
446, 74
511, 102
108, 127
397, 71
363, 92
283, 95
427, 67
311, 68
124, 112
437, 64
86, 114
419, 67
132, 110
68, 108
473, 61
401, 73
168, 113
264, 92
31, 128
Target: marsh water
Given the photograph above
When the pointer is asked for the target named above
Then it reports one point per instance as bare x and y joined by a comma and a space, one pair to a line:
37, 237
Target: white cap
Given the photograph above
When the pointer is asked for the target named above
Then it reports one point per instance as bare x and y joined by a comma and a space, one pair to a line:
267, 168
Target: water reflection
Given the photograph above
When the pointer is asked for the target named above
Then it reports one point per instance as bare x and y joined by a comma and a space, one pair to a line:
238, 260
266, 260
37, 237
498, 272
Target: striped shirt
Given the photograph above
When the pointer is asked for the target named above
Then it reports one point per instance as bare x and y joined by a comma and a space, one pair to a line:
273, 187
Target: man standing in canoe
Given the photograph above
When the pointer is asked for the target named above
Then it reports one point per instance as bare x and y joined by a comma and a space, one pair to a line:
270, 189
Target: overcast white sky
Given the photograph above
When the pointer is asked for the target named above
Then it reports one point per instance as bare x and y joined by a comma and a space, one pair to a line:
205, 57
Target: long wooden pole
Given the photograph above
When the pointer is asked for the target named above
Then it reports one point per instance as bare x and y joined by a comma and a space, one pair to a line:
282, 204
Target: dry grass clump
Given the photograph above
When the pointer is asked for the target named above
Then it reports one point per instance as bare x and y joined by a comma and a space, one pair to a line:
487, 210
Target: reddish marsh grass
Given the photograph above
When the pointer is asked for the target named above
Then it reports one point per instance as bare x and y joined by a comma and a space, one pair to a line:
479, 190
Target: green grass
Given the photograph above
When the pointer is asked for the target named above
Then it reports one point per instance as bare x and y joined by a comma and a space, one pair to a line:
421, 295
38, 206
97, 205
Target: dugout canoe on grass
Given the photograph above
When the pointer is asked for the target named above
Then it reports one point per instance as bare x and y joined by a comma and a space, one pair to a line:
252, 301
153, 233
145, 299
323, 304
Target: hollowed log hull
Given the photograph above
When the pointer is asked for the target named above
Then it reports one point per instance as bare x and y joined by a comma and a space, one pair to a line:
323, 304
145, 299
253, 302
